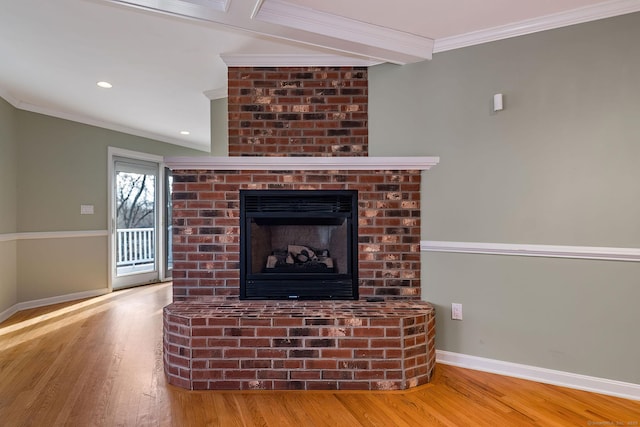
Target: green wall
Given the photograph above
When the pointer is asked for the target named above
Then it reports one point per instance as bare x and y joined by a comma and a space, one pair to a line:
558, 166
8, 168
63, 164
219, 127
8, 198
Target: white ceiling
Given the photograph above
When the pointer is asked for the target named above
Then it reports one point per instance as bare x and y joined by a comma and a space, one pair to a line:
167, 58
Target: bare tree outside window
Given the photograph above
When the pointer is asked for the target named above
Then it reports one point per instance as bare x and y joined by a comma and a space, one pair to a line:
135, 200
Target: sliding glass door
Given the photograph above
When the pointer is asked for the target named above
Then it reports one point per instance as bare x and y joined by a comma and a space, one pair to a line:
136, 255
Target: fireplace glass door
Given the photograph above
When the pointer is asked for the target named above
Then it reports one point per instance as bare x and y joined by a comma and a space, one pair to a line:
298, 244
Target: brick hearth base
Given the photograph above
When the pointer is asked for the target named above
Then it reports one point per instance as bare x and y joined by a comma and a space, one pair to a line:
282, 345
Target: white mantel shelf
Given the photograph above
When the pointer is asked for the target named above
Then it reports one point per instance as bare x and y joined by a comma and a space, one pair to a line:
301, 163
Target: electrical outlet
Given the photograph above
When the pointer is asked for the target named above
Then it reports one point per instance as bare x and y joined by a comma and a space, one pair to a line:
456, 311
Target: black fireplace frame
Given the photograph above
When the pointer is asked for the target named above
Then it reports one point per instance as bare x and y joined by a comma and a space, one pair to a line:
299, 207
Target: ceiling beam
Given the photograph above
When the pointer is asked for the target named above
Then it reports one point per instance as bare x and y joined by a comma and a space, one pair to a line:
312, 28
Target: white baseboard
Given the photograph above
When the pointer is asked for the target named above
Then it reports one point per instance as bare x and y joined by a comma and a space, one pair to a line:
49, 301
542, 375
8, 313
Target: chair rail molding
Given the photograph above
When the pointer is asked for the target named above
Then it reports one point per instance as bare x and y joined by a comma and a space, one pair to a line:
551, 251
52, 235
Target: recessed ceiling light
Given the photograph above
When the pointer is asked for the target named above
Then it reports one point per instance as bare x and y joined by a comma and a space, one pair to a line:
185, 132
105, 85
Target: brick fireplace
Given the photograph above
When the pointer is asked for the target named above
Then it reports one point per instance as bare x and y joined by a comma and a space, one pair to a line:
297, 129
206, 223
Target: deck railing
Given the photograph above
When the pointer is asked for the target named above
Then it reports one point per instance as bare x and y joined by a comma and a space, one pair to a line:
135, 246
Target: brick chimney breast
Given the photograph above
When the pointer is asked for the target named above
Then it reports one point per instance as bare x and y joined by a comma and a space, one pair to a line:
298, 111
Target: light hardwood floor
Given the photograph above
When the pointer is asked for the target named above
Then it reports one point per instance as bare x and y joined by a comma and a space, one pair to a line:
98, 362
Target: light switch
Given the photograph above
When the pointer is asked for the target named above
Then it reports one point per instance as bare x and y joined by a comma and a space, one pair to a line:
456, 311
86, 209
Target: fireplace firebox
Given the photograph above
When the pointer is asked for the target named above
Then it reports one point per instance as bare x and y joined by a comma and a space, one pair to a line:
299, 244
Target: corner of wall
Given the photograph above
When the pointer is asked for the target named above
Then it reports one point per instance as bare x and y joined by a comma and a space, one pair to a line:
8, 213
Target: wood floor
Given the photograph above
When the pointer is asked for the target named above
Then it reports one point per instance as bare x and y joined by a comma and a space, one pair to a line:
98, 362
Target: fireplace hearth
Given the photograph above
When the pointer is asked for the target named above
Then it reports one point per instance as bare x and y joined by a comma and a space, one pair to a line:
298, 244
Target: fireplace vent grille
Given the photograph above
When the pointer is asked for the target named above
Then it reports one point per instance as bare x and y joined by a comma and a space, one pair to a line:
300, 201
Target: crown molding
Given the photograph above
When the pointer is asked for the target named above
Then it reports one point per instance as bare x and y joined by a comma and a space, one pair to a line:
286, 14
20, 105
301, 163
529, 26
4, 94
108, 125
295, 60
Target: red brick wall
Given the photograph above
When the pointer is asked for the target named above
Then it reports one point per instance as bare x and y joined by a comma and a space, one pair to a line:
206, 227
302, 111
